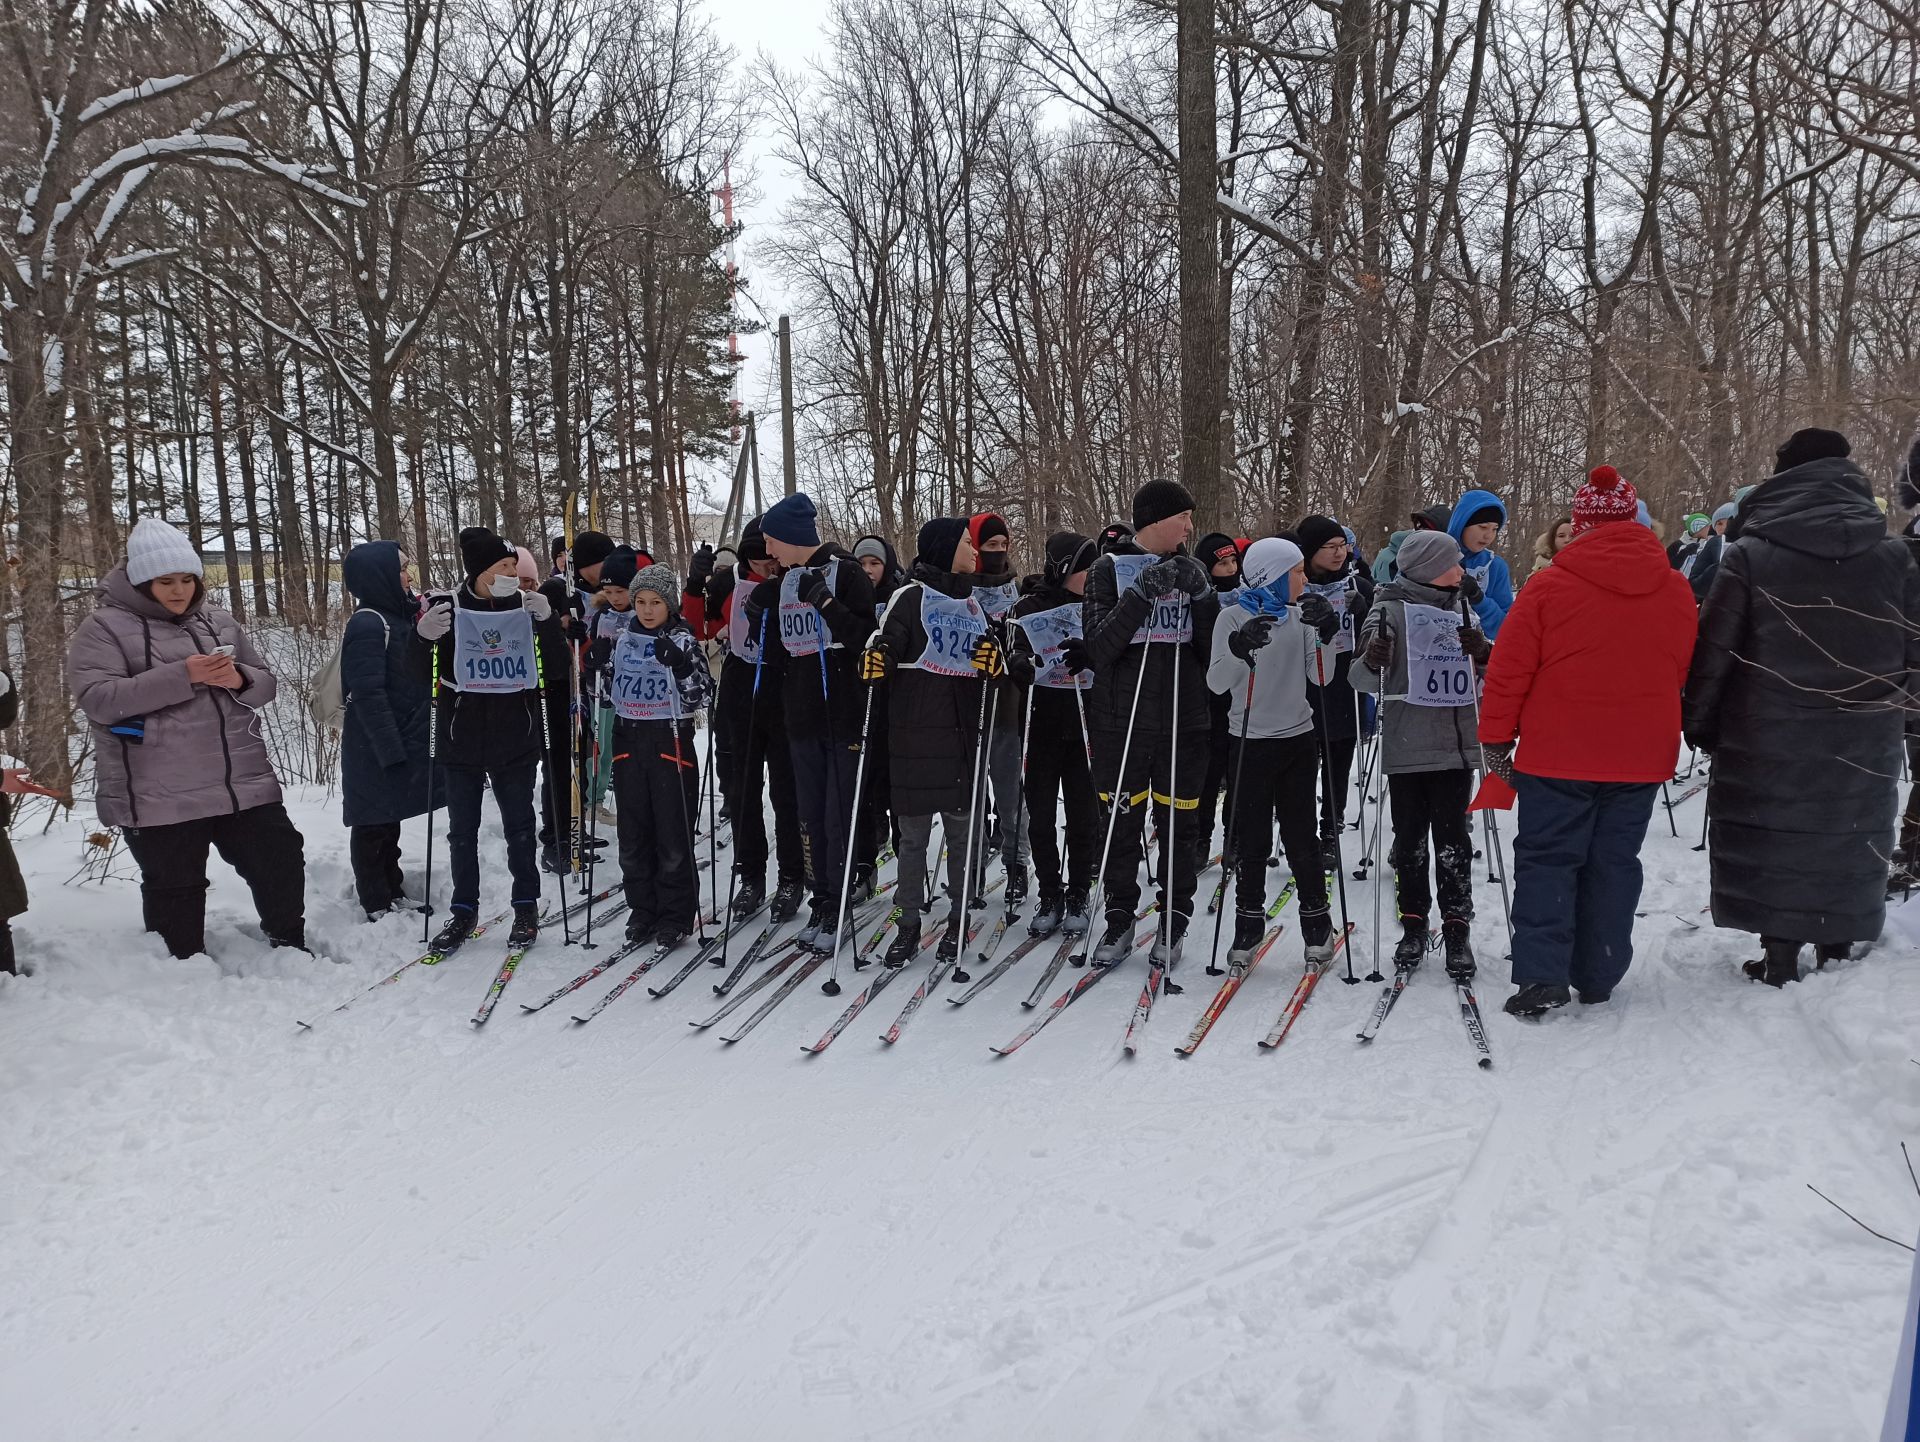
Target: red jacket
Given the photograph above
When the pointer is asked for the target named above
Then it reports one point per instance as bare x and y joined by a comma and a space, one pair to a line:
1588, 668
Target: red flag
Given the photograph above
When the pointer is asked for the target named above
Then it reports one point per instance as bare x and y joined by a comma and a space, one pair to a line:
1493, 795
15, 782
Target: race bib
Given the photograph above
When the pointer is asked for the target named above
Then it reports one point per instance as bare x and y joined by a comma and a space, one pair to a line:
953, 628
1343, 640
802, 631
996, 601
741, 638
642, 686
493, 651
1169, 619
1438, 671
1048, 633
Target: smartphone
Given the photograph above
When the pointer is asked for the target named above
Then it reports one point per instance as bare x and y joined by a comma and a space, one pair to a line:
222, 651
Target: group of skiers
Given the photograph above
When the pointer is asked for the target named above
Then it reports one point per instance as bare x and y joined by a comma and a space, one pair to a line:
1103, 711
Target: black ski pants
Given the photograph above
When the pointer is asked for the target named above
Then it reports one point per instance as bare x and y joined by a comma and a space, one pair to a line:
1432, 805
1278, 784
375, 853
261, 843
756, 766
656, 795
1150, 782
513, 794
1057, 773
823, 776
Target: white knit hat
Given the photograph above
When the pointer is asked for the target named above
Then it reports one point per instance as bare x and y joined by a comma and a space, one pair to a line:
157, 549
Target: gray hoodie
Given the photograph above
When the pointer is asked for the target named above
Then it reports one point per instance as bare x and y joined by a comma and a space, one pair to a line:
1414, 738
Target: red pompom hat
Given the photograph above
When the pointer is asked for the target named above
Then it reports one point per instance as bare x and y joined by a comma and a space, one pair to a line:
1605, 497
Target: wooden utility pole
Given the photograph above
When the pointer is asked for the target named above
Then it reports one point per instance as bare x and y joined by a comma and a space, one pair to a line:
789, 449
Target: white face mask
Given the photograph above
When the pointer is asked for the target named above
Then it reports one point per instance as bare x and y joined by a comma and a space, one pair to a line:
501, 587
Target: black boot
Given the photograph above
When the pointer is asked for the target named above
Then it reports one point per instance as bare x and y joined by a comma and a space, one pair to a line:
1016, 886
1458, 937
1779, 965
552, 860
526, 925
458, 928
906, 942
951, 938
816, 919
1047, 913
1316, 936
786, 900
1413, 941
639, 928
1537, 999
749, 895
1248, 929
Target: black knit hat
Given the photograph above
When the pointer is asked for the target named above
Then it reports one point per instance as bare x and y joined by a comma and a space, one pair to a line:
590, 548
481, 550
1068, 554
939, 539
1157, 500
1114, 536
753, 545
1315, 531
620, 567
1214, 547
1811, 444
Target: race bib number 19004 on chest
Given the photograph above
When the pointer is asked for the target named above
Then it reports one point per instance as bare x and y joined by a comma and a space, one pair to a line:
493, 651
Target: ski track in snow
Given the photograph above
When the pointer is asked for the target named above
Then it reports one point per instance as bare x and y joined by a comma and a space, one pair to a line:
214, 1226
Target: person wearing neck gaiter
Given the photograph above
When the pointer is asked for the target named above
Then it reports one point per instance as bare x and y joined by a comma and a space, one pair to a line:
997, 589
491, 645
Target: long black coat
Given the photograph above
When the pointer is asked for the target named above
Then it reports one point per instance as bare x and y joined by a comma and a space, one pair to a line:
1799, 689
933, 721
383, 743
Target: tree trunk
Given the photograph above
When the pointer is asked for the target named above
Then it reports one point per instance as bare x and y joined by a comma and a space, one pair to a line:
1202, 339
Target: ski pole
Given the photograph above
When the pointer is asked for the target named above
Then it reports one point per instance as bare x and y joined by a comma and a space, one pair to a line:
433, 758
1666, 800
1379, 879
1113, 805
1326, 768
1167, 846
546, 749
1506, 901
1233, 823
680, 790
976, 797
831, 986
740, 793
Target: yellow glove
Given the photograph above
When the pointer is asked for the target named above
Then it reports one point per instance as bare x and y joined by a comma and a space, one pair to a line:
987, 659
873, 664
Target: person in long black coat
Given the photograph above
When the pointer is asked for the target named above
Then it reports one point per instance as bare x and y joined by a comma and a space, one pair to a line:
383, 745
1799, 689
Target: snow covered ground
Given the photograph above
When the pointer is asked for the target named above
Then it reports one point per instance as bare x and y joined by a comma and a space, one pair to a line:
216, 1226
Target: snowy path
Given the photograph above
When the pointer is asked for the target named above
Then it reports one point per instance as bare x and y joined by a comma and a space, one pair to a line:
215, 1227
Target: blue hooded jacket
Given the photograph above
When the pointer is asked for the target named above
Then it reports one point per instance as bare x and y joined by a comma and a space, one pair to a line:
1496, 582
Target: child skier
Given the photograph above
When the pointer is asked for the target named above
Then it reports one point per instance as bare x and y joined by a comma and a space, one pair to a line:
1475, 524
997, 589
1220, 554
1418, 653
658, 681
1262, 649
934, 642
1047, 617
496, 652
1347, 588
1150, 612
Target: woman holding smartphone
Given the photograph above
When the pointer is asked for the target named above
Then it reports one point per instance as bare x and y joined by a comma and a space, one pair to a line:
171, 685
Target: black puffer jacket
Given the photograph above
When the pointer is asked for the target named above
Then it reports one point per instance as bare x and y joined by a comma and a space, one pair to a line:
1799, 689
823, 704
1112, 617
933, 721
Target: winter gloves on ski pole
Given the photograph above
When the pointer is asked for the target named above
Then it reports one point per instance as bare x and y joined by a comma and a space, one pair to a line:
537, 606
1171, 575
874, 662
986, 658
1497, 757
1249, 637
675, 658
1379, 653
1073, 652
436, 619
814, 589
1317, 611
1474, 642
699, 569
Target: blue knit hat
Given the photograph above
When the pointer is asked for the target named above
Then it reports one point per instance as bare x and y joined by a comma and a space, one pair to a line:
793, 521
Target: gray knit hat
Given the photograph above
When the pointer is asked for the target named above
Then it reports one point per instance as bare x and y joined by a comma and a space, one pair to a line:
661, 580
1426, 554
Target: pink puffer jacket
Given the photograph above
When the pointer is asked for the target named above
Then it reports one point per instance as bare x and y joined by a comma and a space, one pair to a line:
203, 753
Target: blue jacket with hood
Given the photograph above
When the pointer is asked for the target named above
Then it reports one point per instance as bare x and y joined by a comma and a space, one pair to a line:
1496, 582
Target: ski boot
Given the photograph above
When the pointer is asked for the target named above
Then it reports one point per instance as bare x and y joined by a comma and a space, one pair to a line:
1536, 999
1016, 886
828, 935
786, 901
860, 889
639, 928
1457, 934
1047, 913
551, 859
810, 933
951, 938
458, 928
1073, 920
526, 925
749, 895
1166, 950
1779, 965
906, 942
1412, 945
1316, 935
1248, 928
669, 934
1116, 941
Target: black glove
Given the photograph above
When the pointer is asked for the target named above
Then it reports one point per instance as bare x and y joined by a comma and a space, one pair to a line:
1497, 757
675, 658
1020, 667
1162, 578
701, 568
1471, 588
1317, 611
1250, 637
814, 589
719, 584
758, 603
600, 653
1379, 653
1474, 642
1190, 576
1702, 743
1073, 652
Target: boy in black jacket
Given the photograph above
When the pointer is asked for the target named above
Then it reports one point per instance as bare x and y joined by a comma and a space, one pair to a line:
1150, 612
657, 679
1048, 616
497, 652
821, 617
934, 642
